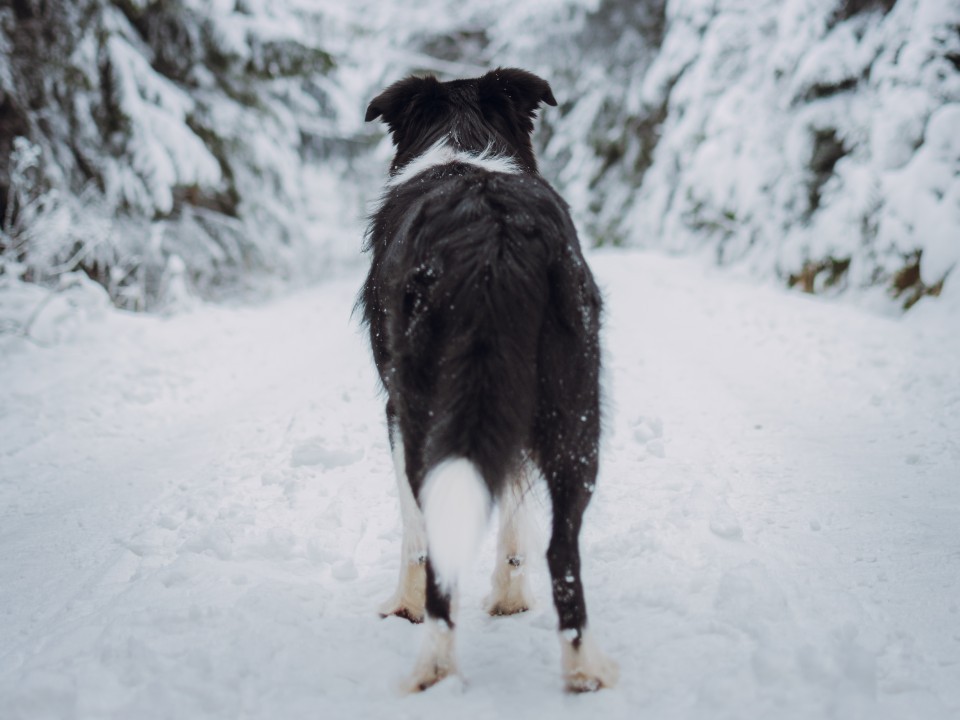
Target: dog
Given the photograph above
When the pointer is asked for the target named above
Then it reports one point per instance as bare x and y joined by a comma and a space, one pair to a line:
484, 322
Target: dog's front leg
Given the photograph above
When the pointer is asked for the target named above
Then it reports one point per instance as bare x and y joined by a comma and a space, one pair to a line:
410, 596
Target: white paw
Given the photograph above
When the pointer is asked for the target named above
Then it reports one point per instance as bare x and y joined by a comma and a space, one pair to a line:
411, 595
585, 667
510, 593
427, 676
407, 611
436, 660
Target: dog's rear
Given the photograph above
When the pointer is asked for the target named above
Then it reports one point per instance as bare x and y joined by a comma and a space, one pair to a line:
484, 322
468, 275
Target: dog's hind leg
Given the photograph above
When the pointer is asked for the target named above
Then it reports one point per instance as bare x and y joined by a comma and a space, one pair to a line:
409, 599
510, 587
437, 659
585, 667
456, 507
566, 444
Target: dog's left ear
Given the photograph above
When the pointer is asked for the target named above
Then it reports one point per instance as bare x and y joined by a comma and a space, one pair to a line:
403, 99
523, 89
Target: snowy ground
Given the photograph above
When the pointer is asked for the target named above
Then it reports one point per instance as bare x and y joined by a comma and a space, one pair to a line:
198, 519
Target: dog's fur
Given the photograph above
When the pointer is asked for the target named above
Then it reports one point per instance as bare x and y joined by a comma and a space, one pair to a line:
484, 322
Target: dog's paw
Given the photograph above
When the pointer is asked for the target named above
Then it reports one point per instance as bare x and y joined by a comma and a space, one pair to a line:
509, 604
510, 593
407, 613
437, 660
499, 609
406, 608
585, 667
583, 681
424, 678
411, 595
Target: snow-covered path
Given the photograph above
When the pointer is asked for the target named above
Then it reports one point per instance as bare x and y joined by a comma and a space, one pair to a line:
198, 519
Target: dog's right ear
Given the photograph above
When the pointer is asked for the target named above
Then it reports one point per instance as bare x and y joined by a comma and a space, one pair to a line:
524, 90
405, 98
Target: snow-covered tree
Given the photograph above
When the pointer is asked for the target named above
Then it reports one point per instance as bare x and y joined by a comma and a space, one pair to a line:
214, 143
144, 142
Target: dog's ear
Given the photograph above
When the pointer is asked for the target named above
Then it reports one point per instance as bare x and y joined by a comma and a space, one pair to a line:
405, 98
524, 90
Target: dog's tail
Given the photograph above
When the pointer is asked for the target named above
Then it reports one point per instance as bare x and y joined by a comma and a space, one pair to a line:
456, 505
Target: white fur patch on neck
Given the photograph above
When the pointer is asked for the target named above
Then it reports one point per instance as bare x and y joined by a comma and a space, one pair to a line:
440, 153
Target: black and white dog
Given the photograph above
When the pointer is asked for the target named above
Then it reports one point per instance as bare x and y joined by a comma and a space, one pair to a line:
484, 321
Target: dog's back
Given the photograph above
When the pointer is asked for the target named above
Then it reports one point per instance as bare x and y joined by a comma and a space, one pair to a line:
471, 271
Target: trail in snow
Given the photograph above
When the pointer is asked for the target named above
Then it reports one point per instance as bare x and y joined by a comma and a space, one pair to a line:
199, 519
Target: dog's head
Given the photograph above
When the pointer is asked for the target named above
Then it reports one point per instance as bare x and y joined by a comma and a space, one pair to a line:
493, 112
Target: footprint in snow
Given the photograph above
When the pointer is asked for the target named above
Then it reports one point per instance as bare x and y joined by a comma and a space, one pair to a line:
316, 451
648, 432
344, 570
724, 522
726, 526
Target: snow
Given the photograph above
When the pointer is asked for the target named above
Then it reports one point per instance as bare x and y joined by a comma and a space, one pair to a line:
199, 517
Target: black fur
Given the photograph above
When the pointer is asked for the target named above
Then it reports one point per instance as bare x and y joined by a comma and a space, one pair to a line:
496, 110
483, 314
